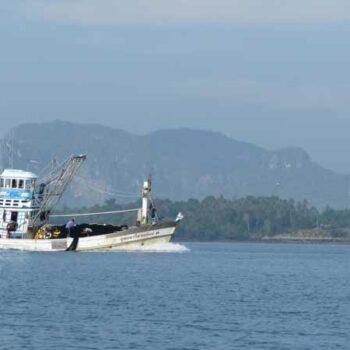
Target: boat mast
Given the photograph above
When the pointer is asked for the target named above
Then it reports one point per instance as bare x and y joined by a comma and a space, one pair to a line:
146, 193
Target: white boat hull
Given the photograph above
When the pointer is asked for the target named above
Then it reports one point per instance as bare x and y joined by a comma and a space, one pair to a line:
121, 240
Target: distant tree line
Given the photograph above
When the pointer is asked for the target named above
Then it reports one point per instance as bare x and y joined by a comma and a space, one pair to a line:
218, 218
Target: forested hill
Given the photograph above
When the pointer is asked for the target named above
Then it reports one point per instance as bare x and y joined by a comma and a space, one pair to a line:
184, 163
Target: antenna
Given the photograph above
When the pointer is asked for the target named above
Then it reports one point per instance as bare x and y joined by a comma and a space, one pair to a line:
2, 153
12, 146
7, 150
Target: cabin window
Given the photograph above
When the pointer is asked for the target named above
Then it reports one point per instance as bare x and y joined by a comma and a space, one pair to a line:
8, 183
27, 184
1, 182
14, 183
20, 183
14, 215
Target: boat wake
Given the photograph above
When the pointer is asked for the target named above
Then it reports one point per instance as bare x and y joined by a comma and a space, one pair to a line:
161, 248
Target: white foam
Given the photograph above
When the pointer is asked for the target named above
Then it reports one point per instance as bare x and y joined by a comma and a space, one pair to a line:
161, 248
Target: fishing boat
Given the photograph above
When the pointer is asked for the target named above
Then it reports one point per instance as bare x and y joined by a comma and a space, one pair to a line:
27, 203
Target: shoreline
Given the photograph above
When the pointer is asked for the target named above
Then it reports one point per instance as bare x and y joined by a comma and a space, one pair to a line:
274, 241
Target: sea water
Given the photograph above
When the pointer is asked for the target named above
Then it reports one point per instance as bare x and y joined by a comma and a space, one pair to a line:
178, 296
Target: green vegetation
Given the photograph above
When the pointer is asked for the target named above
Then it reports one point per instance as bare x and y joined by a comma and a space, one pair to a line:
249, 218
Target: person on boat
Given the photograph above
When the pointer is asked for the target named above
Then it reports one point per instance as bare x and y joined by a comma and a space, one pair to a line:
11, 227
69, 226
154, 216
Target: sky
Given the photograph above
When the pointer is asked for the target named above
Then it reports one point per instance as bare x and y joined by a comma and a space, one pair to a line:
271, 72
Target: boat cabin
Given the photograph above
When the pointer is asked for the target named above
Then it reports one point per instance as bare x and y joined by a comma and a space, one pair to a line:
19, 195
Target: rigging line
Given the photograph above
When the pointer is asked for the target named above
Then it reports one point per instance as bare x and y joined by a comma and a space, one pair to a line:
98, 187
102, 191
58, 165
97, 213
43, 170
43, 173
53, 175
114, 194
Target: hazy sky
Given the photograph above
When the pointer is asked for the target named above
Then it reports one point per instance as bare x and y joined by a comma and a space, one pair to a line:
272, 72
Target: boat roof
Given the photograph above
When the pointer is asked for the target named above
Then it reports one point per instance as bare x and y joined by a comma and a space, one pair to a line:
17, 173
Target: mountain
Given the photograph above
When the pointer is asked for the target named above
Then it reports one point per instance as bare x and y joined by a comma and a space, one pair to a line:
184, 163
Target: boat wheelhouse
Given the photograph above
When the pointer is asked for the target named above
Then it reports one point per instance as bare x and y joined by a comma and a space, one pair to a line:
20, 198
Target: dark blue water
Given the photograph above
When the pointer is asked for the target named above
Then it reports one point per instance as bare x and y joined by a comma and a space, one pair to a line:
217, 296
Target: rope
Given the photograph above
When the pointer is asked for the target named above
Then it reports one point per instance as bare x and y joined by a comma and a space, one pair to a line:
98, 213
98, 189
48, 176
